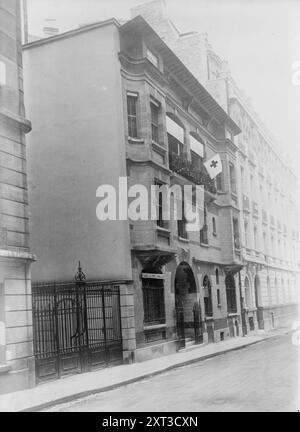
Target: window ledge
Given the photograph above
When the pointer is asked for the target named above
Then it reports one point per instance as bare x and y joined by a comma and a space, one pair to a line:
204, 244
209, 318
136, 140
154, 326
4, 368
162, 229
183, 239
162, 150
231, 314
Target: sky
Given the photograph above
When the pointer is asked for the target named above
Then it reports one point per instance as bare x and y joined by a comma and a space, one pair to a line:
260, 39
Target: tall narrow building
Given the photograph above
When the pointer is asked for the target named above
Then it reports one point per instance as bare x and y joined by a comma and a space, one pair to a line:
16, 360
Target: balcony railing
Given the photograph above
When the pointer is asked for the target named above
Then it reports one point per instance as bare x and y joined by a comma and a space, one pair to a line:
185, 168
246, 203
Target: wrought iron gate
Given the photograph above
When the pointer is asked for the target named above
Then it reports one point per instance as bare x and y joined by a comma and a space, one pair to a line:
77, 327
180, 323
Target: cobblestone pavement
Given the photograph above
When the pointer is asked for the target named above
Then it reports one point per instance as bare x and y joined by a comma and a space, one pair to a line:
262, 377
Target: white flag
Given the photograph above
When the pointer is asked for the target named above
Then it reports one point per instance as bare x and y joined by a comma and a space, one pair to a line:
213, 166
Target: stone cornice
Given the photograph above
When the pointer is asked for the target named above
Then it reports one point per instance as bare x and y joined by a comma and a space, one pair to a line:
17, 254
15, 120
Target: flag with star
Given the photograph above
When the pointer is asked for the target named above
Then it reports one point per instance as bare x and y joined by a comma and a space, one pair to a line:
213, 166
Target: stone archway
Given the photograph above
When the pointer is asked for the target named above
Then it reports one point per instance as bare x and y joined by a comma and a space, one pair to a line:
186, 295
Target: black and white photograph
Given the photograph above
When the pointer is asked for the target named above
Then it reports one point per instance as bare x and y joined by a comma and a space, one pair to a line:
149, 209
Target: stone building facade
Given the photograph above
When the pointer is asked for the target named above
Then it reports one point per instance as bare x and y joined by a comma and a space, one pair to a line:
152, 105
16, 351
265, 196
140, 113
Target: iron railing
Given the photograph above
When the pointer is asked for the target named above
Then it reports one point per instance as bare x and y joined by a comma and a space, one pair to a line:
182, 166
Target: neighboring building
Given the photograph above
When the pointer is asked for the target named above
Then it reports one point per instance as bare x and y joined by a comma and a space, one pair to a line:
263, 187
16, 350
116, 101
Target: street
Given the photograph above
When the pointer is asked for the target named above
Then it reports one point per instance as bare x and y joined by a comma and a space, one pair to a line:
262, 377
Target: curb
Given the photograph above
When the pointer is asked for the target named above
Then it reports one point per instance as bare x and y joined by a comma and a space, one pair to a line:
90, 392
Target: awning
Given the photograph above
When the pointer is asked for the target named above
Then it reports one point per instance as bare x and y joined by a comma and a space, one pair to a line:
196, 146
175, 130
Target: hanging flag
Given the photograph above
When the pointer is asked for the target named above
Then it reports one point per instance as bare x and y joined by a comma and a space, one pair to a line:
213, 166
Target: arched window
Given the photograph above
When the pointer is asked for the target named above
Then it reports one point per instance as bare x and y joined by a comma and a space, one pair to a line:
230, 294
214, 226
207, 296
217, 276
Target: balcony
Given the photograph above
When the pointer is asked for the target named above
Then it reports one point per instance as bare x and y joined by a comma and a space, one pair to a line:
255, 209
183, 167
246, 203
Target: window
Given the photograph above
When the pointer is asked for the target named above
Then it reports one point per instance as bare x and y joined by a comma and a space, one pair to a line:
181, 224
207, 296
154, 303
175, 146
196, 161
232, 178
217, 277
255, 238
246, 234
230, 294
132, 115
219, 182
265, 243
154, 121
242, 179
152, 57
197, 150
204, 230
214, 226
236, 233
160, 221
218, 297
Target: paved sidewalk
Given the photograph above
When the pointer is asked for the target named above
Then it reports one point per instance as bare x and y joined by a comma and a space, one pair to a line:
77, 386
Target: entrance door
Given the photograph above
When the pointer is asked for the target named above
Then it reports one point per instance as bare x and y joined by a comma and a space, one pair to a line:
185, 297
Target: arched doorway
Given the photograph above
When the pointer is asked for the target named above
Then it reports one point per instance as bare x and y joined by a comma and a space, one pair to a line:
259, 312
185, 299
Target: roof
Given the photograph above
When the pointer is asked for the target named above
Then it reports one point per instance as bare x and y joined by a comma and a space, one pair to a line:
175, 66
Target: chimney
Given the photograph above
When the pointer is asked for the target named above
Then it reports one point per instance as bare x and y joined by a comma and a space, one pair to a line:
154, 11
